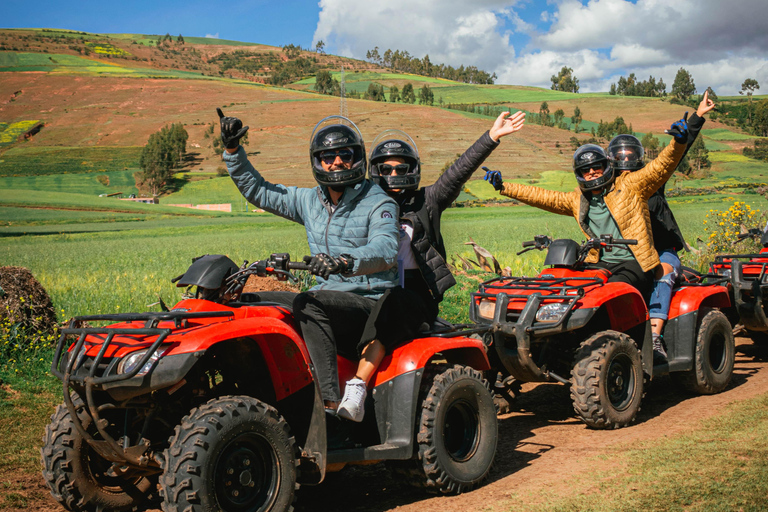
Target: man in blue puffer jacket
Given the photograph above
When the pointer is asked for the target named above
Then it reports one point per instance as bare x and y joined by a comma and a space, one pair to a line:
352, 233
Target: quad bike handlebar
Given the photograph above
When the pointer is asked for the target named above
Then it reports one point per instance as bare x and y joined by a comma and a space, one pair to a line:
278, 264
606, 242
752, 233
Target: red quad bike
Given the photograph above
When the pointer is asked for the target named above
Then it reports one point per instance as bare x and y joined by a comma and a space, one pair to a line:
569, 325
216, 402
747, 283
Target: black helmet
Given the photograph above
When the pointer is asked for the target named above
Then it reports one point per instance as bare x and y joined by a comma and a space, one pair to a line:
208, 273
337, 133
625, 152
587, 157
390, 144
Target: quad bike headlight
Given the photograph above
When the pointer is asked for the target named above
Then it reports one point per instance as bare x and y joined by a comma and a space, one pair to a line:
129, 362
486, 308
551, 312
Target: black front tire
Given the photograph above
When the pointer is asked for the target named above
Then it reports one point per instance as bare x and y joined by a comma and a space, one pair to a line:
458, 431
607, 380
78, 477
714, 356
233, 453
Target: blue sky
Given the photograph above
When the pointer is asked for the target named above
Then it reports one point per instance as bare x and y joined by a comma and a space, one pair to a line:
523, 41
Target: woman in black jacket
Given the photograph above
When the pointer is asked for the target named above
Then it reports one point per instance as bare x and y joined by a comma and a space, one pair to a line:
402, 311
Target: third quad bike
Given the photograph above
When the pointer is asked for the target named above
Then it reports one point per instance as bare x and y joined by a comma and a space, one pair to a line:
570, 325
216, 403
748, 284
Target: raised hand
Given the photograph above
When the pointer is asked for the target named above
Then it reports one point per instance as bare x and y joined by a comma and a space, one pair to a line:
706, 104
679, 130
231, 130
505, 125
494, 178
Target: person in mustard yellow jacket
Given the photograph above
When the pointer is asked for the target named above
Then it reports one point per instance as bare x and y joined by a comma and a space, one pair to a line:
606, 204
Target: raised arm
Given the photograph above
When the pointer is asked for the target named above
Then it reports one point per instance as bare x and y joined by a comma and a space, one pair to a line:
549, 200
651, 177
448, 186
274, 198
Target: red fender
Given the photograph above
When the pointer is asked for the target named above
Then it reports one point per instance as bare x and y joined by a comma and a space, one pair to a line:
625, 305
688, 299
416, 353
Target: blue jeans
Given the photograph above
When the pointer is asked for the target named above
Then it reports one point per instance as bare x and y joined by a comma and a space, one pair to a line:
658, 306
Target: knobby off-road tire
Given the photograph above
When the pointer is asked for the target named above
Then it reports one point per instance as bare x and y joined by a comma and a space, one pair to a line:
78, 477
607, 380
233, 453
714, 356
458, 431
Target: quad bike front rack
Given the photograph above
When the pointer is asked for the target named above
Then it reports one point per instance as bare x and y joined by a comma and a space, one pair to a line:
65, 367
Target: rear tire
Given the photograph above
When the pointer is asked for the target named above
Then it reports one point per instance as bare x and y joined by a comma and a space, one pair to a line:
233, 453
78, 477
714, 356
607, 380
458, 431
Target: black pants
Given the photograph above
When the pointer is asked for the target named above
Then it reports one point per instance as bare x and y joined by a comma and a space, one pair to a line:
401, 313
631, 273
331, 322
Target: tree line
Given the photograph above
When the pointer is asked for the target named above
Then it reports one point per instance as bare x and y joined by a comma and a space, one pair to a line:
402, 61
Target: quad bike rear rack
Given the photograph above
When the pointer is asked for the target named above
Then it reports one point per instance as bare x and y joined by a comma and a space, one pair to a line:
64, 367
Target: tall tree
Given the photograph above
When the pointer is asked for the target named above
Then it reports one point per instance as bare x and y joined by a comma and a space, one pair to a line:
544, 118
325, 83
180, 39
749, 85
408, 95
698, 155
651, 145
320, 47
576, 119
683, 86
163, 152
565, 81
426, 96
394, 94
760, 121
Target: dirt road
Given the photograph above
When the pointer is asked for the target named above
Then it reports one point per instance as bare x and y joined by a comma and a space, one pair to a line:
540, 446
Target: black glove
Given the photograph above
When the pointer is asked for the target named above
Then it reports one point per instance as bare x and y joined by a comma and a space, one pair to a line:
679, 130
231, 130
494, 178
324, 265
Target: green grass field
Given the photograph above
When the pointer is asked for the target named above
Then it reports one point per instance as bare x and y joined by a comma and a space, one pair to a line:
27, 160
74, 65
725, 134
80, 183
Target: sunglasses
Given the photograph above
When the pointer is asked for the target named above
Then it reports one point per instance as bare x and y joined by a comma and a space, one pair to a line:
386, 169
346, 155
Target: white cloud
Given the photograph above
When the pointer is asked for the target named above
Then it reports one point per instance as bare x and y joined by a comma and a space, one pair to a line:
720, 44
449, 31
212, 36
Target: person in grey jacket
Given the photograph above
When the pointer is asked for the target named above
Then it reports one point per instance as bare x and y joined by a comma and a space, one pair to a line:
352, 234
424, 277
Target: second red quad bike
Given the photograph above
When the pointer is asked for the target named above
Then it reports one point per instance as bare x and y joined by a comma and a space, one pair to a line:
216, 404
570, 325
748, 284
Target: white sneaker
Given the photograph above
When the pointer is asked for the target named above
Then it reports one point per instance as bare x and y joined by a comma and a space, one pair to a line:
352, 405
